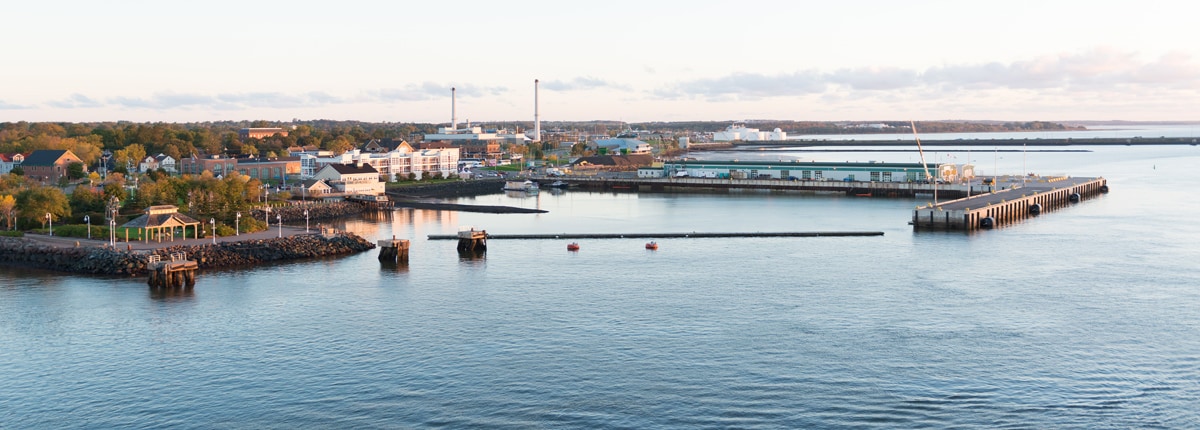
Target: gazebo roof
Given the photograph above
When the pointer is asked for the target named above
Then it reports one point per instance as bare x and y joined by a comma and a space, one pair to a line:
161, 217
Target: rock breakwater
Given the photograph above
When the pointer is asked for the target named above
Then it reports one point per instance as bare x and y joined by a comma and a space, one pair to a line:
104, 260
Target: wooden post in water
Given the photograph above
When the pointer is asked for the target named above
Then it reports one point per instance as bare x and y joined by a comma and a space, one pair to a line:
175, 274
393, 250
472, 241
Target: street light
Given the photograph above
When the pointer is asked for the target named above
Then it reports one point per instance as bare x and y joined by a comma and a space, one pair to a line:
51, 219
112, 232
267, 215
279, 218
213, 221
237, 225
88, 220
306, 220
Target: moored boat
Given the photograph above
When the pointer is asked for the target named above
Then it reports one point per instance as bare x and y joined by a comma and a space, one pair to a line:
526, 186
573, 246
652, 245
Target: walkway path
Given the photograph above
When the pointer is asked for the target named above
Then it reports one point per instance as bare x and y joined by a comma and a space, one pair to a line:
68, 242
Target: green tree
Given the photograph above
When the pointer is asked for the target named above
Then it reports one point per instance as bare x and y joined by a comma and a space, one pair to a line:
34, 203
75, 170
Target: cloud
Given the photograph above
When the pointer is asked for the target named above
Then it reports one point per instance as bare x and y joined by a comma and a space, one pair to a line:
75, 101
1097, 70
163, 101
9, 106
431, 91
582, 83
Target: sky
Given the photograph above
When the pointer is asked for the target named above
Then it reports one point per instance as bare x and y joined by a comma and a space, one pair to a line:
634, 61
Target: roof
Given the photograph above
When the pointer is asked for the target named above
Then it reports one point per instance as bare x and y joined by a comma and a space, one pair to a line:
630, 160
350, 169
45, 157
5, 158
156, 220
309, 183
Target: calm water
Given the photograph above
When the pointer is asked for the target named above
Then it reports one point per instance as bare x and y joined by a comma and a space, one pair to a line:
1085, 317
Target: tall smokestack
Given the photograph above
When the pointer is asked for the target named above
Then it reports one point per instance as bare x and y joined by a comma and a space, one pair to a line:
537, 123
453, 114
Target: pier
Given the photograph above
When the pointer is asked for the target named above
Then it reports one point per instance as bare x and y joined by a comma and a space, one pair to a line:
179, 272
1007, 206
661, 235
850, 188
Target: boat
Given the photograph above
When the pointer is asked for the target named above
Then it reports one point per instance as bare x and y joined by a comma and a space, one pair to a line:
652, 245
573, 246
559, 184
526, 186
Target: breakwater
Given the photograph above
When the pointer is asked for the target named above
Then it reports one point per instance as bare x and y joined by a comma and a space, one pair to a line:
473, 187
316, 211
104, 260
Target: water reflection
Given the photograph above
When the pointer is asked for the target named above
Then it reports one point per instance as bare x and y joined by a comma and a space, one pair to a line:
172, 294
387, 266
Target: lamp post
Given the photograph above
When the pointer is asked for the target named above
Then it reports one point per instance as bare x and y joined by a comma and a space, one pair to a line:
267, 216
112, 232
51, 220
213, 221
237, 225
279, 217
88, 220
306, 220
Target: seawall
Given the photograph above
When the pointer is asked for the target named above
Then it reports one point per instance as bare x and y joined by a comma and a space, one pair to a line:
104, 260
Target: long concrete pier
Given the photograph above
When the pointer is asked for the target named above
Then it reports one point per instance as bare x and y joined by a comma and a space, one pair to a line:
666, 235
1007, 206
853, 188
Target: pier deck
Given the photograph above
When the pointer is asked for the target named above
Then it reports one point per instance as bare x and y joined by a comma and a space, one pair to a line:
1006, 206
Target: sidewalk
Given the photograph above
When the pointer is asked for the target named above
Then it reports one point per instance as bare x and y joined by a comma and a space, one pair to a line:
70, 242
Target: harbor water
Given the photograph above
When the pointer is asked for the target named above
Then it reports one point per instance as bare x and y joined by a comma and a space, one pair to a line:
1083, 317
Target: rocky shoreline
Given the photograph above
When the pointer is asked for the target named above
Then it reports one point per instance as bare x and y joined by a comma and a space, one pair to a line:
104, 260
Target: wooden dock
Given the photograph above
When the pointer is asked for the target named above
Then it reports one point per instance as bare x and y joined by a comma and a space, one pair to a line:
1007, 206
393, 250
664, 235
177, 273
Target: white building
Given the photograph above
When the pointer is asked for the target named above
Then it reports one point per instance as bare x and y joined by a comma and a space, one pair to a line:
740, 132
624, 145
351, 179
395, 164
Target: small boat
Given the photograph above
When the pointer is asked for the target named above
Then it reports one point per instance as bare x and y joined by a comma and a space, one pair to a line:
558, 184
652, 245
573, 246
526, 186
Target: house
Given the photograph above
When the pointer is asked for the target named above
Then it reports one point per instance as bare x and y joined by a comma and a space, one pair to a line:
147, 164
166, 162
312, 188
383, 146
48, 165
351, 178
8, 161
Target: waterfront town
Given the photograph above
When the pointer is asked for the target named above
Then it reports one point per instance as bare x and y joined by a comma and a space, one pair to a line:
150, 185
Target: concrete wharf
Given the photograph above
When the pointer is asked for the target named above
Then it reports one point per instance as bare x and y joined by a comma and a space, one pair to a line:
1007, 206
852, 188
666, 235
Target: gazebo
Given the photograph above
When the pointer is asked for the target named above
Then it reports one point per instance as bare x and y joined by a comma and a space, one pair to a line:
163, 217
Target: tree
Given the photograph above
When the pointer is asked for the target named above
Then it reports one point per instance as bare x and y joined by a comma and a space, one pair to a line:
75, 170
17, 170
36, 202
8, 210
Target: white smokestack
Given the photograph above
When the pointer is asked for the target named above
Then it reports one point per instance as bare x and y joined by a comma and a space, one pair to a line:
453, 114
537, 123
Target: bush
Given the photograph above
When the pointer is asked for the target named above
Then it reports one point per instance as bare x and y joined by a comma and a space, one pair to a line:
225, 230
13, 233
